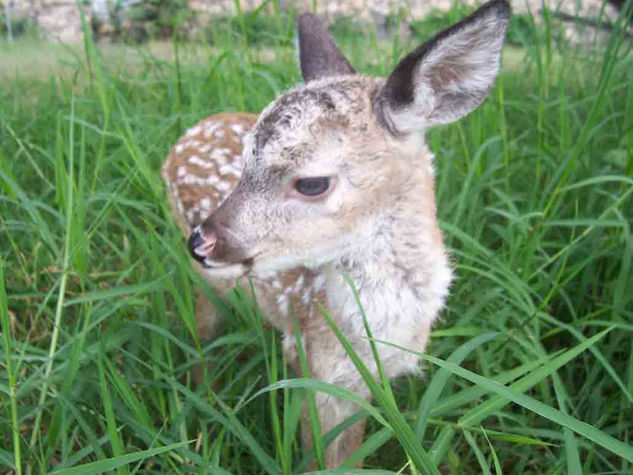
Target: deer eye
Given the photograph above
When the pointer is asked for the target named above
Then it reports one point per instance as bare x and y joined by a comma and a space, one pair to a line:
312, 186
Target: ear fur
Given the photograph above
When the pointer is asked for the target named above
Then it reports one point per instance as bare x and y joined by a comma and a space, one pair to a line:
447, 77
318, 53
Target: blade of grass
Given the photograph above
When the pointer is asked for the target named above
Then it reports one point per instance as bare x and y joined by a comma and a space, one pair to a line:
115, 439
11, 377
228, 420
436, 386
64, 279
481, 459
313, 414
599, 437
122, 460
478, 414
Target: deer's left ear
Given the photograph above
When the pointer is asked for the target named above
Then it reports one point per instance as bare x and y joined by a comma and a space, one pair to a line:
318, 53
448, 76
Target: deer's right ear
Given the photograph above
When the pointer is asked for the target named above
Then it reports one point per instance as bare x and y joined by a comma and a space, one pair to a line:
448, 76
318, 53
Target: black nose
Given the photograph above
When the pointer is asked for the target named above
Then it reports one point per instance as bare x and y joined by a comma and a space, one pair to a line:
195, 242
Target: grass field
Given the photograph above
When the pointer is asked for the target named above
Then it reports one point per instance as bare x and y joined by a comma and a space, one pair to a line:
530, 368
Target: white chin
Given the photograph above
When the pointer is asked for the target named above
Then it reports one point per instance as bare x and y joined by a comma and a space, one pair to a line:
270, 267
232, 271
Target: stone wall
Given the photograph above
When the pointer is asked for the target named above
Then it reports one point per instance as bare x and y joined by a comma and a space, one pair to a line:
55, 19
377, 10
60, 20
367, 9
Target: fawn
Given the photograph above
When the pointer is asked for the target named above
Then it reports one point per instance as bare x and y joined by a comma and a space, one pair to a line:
334, 178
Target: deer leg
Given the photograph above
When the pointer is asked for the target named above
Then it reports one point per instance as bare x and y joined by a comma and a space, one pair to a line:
330, 364
209, 323
332, 411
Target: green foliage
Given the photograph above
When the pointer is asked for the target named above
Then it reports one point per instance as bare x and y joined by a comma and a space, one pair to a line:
156, 18
20, 27
346, 29
520, 29
530, 369
437, 20
142, 21
253, 28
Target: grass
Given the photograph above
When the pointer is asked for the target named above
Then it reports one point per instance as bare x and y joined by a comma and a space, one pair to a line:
529, 371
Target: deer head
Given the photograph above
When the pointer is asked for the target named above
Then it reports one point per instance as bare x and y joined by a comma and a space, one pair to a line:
335, 165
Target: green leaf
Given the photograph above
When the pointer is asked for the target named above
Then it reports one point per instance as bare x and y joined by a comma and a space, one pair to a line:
316, 385
117, 462
436, 386
595, 435
229, 421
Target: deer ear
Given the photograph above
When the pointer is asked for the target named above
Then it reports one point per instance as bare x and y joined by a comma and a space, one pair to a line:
318, 53
447, 77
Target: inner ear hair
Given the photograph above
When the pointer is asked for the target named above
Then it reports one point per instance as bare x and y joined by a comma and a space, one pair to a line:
447, 77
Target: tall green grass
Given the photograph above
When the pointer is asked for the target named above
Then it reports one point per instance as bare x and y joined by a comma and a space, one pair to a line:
529, 370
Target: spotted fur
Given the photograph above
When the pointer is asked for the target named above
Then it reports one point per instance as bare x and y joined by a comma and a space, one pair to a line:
202, 168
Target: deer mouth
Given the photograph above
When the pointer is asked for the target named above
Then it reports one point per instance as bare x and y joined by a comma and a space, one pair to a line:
222, 270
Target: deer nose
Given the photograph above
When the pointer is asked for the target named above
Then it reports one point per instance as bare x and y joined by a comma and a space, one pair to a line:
201, 245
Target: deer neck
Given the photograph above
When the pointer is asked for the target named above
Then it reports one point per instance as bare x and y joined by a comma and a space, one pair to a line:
400, 269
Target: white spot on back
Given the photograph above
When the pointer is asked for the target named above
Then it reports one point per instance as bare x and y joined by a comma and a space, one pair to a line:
211, 179
211, 127
193, 131
237, 128
220, 155
229, 169
223, 186
205, 203
195, 160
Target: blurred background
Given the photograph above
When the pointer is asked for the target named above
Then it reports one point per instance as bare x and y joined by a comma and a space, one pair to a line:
142, 20
42, 35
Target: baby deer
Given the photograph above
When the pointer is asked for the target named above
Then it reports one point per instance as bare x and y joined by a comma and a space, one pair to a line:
334, 178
